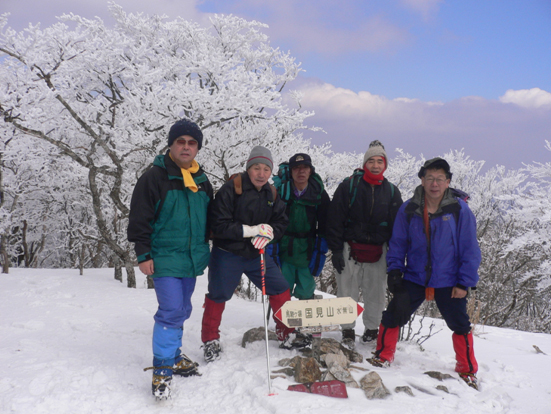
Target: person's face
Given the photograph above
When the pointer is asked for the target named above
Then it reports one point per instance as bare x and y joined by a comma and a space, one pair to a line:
259, 174
435, 184
183, 150
300, 174
375, 165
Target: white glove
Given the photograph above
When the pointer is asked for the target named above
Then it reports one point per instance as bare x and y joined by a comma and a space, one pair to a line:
264, 230
259, 242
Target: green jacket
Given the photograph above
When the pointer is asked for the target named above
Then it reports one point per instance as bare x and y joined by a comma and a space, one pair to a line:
307, 218
168, 222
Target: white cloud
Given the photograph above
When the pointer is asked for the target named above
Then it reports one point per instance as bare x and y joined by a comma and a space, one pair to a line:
489, 130
346, 103
527, 98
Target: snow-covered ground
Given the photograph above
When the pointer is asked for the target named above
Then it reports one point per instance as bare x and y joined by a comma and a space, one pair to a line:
78, 344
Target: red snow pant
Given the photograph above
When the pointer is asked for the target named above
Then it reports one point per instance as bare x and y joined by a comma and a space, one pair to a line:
225, 272
212, 317
462, 345
454, 312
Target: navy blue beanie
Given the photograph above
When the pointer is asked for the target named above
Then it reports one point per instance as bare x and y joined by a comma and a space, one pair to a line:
185, 127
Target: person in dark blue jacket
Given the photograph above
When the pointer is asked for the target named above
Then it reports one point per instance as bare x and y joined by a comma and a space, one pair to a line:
433, 254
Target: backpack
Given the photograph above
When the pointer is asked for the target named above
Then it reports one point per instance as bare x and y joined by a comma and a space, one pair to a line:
355, 180
238, 185
319, 246
238, 189
459, 194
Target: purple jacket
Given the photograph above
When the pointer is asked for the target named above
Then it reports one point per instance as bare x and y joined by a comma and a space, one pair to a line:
453, 257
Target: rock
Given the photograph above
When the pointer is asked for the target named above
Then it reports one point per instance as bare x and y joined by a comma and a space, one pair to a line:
442, 388
257, 334
328, 346
307, 370
327, 376
373, 386
342, 374
290, 372
438, 375
332, 346
288, 362
339, 359
405, 389
353, 356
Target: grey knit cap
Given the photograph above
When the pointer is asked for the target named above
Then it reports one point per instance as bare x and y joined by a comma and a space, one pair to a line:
376, 149
260, 155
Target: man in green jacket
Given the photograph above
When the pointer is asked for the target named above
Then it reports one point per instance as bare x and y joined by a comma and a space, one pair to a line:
302, 248
168, 224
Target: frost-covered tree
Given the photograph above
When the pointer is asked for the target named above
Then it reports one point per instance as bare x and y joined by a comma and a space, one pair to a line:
104, 99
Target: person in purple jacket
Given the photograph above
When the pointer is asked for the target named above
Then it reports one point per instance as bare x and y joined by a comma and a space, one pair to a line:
433, 254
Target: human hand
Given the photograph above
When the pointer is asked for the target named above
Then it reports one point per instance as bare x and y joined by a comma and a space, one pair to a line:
147, 267
259, 242
394, 280
338, 261
264, 230
458, 293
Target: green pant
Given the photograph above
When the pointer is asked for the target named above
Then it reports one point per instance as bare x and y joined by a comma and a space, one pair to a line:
300, 280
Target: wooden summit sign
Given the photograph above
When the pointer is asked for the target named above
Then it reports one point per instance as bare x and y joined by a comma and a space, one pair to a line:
319, 312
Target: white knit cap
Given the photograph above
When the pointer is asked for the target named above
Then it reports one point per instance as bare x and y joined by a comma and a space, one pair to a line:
376, 149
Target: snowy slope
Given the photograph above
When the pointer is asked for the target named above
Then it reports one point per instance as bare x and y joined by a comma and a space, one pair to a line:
78, 344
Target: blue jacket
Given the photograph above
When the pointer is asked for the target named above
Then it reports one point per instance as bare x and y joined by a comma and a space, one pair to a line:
454, 250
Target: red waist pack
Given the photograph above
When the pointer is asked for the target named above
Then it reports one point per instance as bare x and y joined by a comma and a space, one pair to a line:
365, 253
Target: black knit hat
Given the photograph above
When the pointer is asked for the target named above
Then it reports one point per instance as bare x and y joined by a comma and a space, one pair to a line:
435, 164
185, 127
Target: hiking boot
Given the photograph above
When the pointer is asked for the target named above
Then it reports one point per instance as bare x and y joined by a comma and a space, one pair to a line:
160, 385
211, 350
470, 379
378, 362
370, 335
185, 367
349, 338
296, 340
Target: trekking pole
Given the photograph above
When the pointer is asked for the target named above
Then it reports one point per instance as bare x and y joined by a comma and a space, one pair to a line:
263, 274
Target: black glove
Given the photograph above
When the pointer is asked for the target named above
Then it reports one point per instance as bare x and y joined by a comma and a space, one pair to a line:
338, 261
400, 307
394, 280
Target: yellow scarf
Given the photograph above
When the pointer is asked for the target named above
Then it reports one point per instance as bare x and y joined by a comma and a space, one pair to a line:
189, 182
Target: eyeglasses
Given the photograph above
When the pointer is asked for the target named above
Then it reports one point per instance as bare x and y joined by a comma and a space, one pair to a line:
438, 181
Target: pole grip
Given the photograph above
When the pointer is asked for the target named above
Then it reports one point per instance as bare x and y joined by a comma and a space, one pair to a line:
263, 271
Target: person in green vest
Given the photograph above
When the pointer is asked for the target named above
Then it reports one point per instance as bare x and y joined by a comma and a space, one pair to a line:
302, 248
168, 226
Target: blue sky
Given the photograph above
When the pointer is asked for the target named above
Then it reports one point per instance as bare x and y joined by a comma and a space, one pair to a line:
423, 75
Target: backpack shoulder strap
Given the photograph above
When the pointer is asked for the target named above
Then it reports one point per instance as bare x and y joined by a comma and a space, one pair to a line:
354, 181
274, 191
237, 183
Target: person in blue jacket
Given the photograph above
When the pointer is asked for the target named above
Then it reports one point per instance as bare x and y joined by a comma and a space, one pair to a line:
433, 254
168, 226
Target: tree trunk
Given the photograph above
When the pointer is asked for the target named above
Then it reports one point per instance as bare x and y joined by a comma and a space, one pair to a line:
118, 272
130, 274
4, 255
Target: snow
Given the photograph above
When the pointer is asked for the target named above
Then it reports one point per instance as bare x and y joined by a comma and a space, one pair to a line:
78, 344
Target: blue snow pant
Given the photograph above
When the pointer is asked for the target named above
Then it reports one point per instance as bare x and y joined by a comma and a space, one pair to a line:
454, 311
174, 298
226, 269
